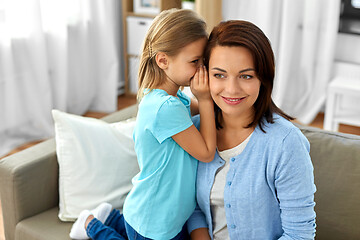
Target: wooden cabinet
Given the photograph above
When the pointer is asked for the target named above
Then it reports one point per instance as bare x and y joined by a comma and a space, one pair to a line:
211, 11
135, 26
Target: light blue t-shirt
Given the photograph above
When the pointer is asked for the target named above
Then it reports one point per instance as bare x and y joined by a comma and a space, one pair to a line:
163, 196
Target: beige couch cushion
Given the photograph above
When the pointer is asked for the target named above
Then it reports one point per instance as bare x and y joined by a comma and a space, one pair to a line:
44, 226
336, 160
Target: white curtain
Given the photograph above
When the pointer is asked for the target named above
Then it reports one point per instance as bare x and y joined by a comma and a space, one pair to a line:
55, 54
303, 36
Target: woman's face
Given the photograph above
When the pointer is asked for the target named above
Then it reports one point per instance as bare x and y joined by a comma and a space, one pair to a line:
234, 85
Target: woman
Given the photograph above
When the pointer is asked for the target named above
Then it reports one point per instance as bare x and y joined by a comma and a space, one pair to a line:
260, 184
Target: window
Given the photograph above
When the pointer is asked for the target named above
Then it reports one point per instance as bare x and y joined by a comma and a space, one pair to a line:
350, 17
355, 3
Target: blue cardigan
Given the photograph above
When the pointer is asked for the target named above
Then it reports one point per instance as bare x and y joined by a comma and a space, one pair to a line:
269, 192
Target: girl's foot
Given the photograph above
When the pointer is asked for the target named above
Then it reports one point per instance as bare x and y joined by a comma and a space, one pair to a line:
78, 230
102, 211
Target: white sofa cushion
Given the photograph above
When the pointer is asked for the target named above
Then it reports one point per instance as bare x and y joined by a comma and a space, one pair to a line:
96, 162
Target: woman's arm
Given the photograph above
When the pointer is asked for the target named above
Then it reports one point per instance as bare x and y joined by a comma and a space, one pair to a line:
294, 183
200, 234
197, 226
201, 145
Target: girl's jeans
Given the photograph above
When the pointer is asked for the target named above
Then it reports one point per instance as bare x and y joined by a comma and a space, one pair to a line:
115, 227
112, 229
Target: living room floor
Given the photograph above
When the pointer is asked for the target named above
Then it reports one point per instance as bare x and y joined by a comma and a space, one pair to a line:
126, 100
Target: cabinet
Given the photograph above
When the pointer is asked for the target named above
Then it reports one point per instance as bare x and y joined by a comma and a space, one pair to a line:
135, 26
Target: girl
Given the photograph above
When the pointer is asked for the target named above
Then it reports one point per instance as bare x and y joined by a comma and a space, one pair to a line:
166, 141
260, 184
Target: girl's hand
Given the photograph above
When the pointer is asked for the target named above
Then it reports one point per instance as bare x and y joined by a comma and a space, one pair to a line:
200, 144
199, 85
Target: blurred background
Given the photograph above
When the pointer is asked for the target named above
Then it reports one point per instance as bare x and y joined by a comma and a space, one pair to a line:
81, 56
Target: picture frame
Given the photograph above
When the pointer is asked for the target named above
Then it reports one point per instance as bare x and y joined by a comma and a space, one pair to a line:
147, 6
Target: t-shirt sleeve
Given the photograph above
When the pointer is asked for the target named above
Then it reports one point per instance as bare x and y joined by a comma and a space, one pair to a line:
172, 117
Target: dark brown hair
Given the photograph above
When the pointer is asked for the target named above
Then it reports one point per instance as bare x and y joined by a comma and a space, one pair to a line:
236, 33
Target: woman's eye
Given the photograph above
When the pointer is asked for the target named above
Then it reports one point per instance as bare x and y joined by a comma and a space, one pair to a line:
195, 61
246, 77
217, 75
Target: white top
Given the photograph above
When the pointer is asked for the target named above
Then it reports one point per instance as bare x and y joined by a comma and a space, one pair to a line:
220, 230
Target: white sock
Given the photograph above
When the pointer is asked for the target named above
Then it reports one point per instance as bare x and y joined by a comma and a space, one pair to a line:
102, 211
78, 230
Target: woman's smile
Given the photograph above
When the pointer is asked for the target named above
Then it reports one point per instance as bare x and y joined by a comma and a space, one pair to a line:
232, 101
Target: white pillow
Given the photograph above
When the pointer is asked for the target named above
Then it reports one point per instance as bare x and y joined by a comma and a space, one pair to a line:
96, 162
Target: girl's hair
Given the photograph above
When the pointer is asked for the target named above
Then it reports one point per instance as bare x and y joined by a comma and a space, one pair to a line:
170, 31
236, 33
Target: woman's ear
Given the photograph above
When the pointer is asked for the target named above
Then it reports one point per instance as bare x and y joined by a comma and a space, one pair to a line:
162, 60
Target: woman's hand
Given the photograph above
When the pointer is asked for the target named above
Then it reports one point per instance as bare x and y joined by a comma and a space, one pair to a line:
200, 234
199, 85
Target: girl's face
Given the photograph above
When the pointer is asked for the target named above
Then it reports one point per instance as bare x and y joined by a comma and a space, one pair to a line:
182, 67
234, 85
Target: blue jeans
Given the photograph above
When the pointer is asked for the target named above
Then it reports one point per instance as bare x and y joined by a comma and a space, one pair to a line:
112, 229
116, 228
133, 235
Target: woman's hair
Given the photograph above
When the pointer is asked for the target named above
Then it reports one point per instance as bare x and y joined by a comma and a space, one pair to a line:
170, 31
236, 33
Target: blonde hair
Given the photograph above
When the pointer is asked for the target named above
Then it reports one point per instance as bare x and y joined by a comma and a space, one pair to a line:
170, 31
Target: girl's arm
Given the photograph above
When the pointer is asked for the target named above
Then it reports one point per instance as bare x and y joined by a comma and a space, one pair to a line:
201, 145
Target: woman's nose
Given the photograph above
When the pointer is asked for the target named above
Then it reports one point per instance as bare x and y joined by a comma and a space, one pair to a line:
233, 86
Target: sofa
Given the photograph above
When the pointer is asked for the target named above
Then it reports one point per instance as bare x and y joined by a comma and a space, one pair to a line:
29, 187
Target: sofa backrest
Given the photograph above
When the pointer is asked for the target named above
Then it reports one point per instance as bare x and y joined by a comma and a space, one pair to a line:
336, 160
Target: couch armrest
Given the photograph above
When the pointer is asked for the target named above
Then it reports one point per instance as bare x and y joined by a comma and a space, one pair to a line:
28, 184
29, 179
